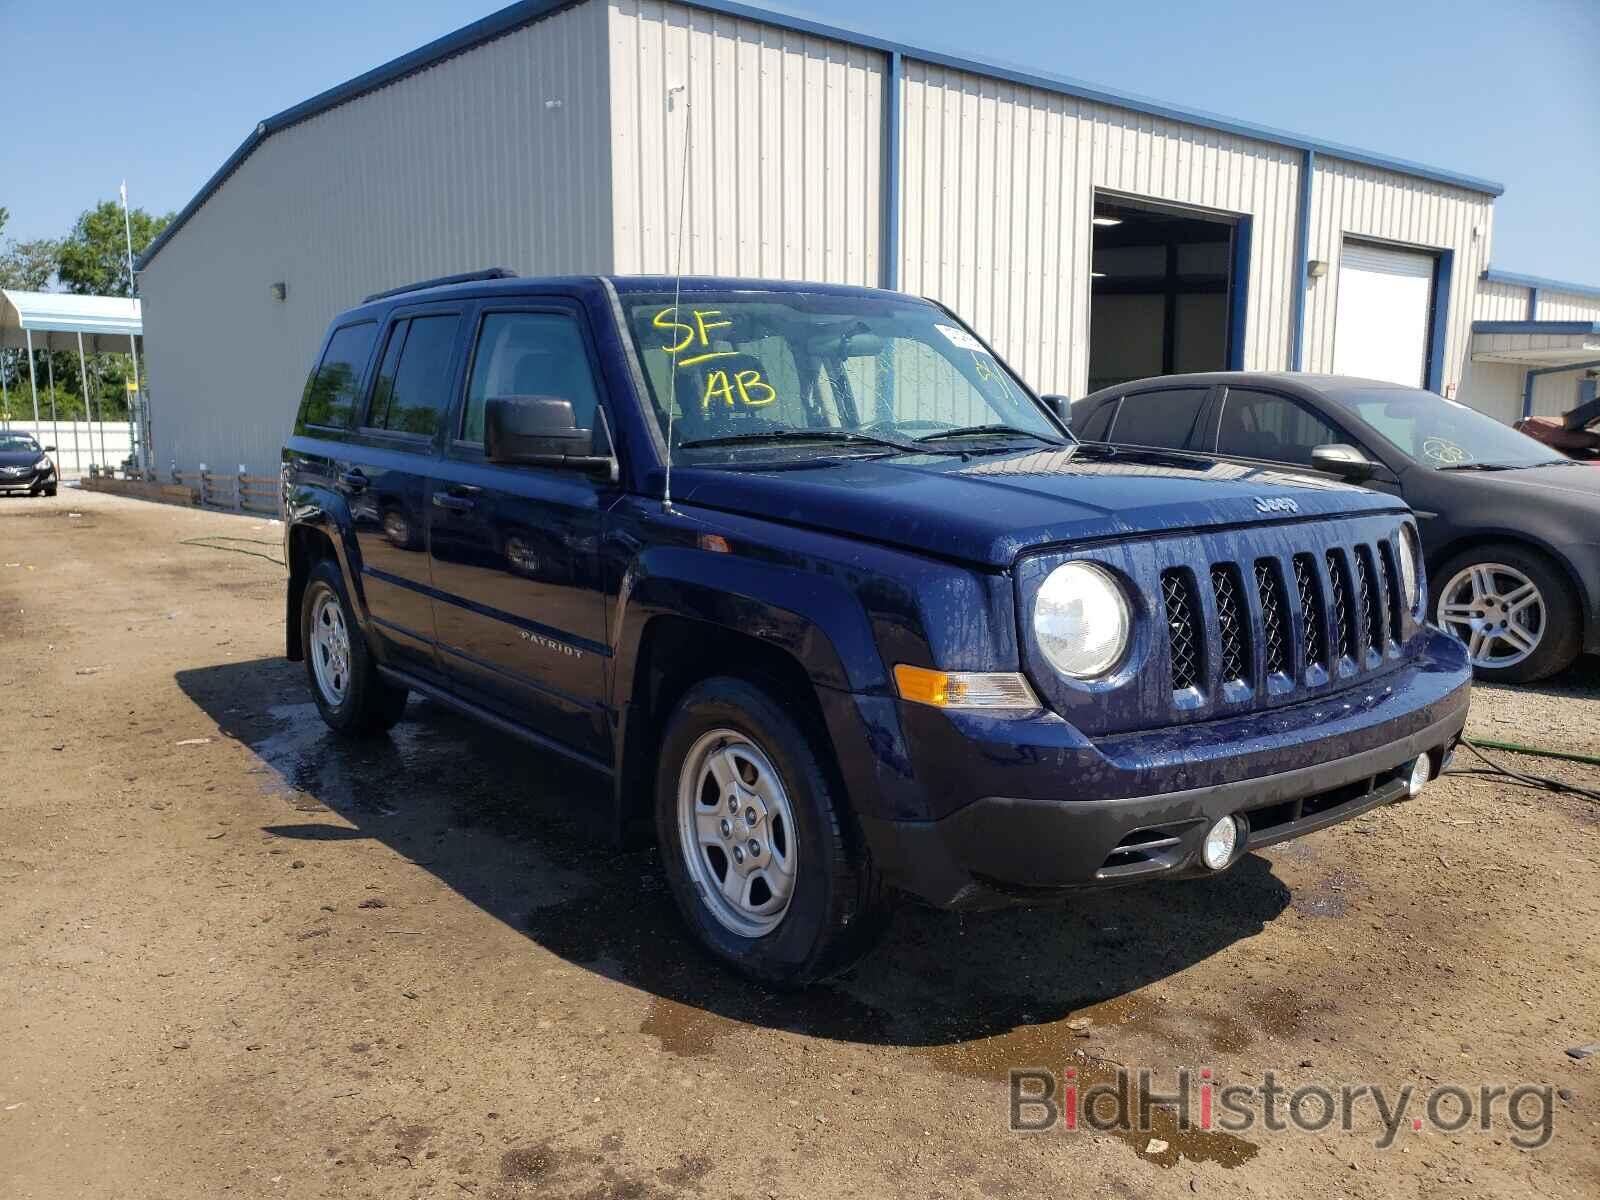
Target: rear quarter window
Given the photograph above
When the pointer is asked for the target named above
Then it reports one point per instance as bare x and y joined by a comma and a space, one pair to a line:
331, 392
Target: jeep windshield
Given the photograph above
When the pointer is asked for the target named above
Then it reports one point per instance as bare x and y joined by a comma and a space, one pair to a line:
742, 373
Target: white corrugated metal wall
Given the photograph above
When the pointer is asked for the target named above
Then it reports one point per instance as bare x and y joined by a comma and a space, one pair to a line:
785, 160
462, 166
1567, 306
1498, 388
997, 194
1353, 200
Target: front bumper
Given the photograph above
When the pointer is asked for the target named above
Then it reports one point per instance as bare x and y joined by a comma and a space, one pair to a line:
1137, 806
31, 481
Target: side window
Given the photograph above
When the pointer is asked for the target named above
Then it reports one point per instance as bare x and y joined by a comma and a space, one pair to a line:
330, 398
1097, 425
1268, 426
1167, 420
412, 391
529, 354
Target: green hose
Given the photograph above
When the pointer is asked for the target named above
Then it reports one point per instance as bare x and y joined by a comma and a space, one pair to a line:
1592, 760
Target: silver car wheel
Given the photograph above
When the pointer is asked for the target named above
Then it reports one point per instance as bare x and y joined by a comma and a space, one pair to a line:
1497, 611
737, 833
330, 648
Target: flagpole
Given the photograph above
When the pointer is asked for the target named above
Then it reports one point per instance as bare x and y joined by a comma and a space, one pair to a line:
133, 438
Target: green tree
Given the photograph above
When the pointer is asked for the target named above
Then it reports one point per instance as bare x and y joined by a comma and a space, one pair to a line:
93, 260
27, 266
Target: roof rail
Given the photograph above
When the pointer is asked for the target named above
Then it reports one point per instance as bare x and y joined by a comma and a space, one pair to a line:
469, 277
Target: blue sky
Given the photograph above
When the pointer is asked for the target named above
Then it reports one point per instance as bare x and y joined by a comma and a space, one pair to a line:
162, 92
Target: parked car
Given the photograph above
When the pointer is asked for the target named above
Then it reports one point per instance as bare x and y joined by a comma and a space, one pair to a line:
1507, 524
885, 628
25, 466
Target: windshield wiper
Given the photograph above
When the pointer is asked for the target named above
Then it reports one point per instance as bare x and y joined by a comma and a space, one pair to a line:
985, 430
802, 435
1477, 466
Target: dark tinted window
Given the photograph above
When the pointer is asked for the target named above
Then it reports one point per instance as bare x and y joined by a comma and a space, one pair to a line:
1272, 427
330, 398
412, 392
1097, 425
529, 354
1168, 419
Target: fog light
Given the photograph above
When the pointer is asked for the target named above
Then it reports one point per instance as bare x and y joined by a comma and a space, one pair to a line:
1221, 841
1421, 772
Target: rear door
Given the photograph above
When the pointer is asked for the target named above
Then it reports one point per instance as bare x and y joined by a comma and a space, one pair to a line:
516, 549
398, 437
1171, 418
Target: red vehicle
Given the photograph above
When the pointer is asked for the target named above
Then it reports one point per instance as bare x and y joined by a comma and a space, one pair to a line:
1576, 434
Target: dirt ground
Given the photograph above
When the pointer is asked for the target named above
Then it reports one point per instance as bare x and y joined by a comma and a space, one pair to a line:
240, 957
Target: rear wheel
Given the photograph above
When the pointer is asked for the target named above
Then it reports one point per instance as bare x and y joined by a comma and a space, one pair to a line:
755, 839
350, 693
1513, 608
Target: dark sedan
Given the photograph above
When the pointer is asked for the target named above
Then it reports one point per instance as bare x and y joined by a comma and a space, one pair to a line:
25, 466
1510, 529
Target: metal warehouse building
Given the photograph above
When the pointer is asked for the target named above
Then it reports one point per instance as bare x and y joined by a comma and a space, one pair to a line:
1091, 236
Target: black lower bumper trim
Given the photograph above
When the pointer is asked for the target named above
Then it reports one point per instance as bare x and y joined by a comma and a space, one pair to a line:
1000, 850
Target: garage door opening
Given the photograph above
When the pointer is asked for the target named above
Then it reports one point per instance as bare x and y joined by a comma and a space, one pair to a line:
1167, 291
1384, 316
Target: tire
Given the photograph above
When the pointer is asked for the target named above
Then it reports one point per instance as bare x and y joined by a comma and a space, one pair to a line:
51, 490
1515, 635
836, 906
352, 697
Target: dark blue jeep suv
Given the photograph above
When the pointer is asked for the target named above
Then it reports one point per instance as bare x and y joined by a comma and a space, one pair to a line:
837, 604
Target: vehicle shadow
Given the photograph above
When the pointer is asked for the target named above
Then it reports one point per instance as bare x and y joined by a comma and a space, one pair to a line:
518, 833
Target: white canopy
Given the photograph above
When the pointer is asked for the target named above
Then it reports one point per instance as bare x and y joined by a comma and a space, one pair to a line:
55, 320
1536, 343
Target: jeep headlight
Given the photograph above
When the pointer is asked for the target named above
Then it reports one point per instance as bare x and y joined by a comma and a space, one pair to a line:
1082, 620
1410, 565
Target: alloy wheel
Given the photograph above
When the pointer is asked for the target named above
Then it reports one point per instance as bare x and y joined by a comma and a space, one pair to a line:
1497, 611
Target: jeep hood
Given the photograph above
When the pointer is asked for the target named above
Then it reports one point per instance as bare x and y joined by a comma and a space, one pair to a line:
993, 507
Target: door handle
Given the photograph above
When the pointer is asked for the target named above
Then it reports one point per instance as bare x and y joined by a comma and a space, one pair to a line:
352, 480
454, 503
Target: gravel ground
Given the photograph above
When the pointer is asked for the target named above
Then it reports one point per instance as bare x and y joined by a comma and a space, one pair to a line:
237, 956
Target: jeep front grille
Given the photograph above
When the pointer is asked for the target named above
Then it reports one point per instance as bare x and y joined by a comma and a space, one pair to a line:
1239, 619
1344, 631
1183, 630
1231, 623
1274, 617
1305, 582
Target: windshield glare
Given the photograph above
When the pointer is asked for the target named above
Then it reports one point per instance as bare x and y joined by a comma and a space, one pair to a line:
752, 363
14, 442
1441, 433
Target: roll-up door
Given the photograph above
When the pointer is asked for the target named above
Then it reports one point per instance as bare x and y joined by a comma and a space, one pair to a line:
1382, 321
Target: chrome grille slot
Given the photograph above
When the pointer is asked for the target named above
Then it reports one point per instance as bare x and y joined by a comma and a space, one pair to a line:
1389, 569
1274, 618
1232, 623
1305, 580
1344, 629
1183, 629
1371, 611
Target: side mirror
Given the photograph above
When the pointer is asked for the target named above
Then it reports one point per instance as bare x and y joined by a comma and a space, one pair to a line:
1061, 407
49, 449
541, 431
1343, 460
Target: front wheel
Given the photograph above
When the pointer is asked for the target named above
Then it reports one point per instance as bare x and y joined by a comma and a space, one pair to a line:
756, 842
1513, 608
350, 693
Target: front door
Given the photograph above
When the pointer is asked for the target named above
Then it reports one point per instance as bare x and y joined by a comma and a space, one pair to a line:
515, 550
386, 478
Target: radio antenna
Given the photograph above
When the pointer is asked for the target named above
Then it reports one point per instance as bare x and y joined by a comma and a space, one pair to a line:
677, 285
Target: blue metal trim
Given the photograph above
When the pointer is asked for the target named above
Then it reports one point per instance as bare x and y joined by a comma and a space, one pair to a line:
1533, 304
1439, 333
1302, 259
891, 172
1552, 327
1527, 381
1239, 293
1535, 281
527, 12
